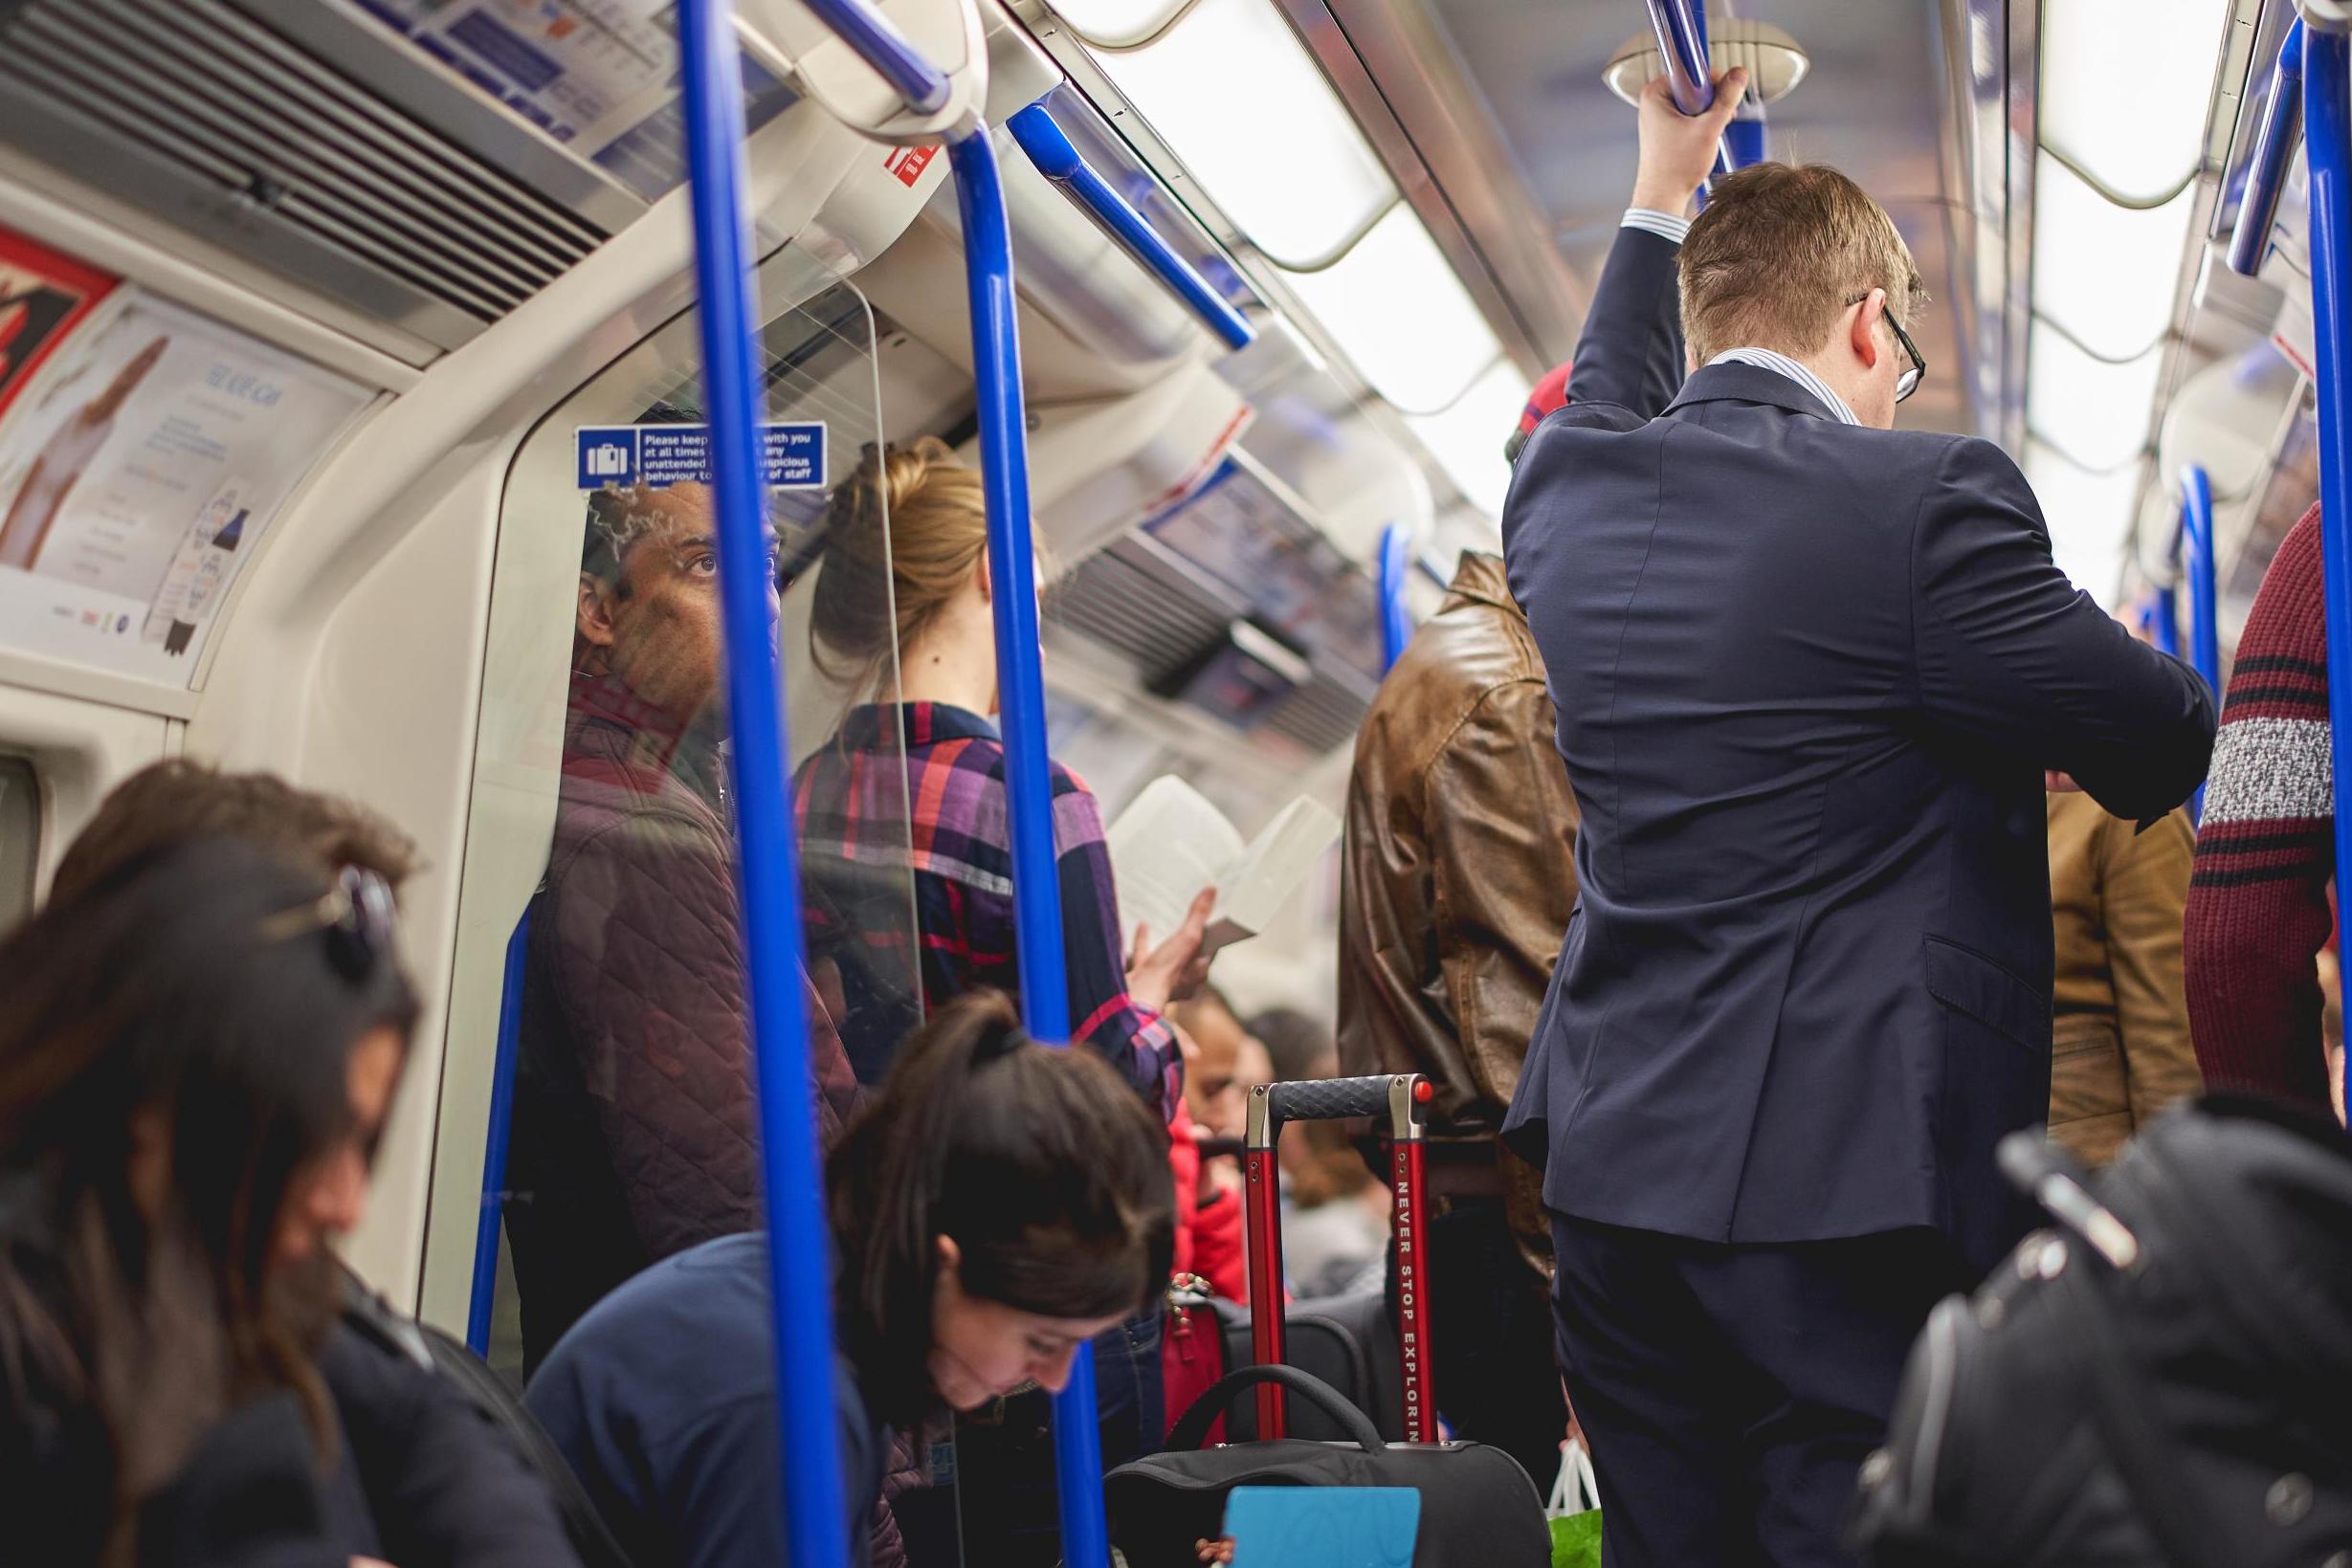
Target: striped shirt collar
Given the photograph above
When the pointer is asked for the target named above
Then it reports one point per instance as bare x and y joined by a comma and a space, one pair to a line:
1798, 373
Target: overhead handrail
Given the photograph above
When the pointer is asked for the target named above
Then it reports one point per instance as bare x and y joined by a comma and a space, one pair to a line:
1680, 27
2327, 151
922, 85
493, 1152
2266, 172
1037, 880
1050, 150
767, 862
1396, 627
2196, 547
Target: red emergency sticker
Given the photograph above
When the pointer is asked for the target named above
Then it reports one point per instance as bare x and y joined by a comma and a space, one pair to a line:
909, 162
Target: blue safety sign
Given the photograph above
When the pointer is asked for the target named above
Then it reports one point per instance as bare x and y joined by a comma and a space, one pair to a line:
657, 455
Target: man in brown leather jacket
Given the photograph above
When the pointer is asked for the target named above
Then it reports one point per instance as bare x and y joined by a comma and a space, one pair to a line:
1459, 875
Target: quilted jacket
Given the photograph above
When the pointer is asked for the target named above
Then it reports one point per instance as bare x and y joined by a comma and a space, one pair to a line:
634, 1134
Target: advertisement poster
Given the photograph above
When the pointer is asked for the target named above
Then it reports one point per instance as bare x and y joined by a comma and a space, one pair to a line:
138, 472
598, 76
43, 297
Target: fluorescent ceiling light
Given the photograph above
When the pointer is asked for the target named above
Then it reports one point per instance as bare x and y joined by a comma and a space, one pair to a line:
1467, 438
1232, 93
1394, 307
2090, 518
2104, 273
2095, 413
2127, 86
1116, 24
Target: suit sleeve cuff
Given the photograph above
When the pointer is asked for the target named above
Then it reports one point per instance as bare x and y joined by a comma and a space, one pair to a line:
1665, 225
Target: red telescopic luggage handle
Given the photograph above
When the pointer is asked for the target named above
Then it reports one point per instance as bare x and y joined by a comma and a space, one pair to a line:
1400, 1099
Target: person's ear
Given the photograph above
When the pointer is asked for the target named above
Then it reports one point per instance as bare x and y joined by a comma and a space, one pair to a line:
950, 1255
1863, 332
594, 613
987, 584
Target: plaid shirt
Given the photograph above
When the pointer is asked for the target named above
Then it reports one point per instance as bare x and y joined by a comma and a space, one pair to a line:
946, 822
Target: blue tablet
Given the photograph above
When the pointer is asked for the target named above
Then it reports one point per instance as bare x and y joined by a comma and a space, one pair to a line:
1322, 1527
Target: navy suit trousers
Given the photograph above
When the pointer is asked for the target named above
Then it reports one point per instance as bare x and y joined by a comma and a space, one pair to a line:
1731, 1391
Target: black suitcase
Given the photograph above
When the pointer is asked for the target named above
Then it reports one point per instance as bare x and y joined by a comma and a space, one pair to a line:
1478, 1509
2164, 1382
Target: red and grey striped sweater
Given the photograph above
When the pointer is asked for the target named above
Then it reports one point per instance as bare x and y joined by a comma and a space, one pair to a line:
2259, 909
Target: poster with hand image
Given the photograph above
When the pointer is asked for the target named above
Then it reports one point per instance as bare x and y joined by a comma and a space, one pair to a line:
138, 472
43, 297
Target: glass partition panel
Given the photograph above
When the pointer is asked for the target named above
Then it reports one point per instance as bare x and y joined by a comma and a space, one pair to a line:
597, 1109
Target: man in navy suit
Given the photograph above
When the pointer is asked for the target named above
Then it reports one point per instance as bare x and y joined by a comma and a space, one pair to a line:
1810, 671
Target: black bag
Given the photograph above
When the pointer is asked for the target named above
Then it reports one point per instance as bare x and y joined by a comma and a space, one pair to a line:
1477, 1507
429, 1348
2166, 1383
1346, 1341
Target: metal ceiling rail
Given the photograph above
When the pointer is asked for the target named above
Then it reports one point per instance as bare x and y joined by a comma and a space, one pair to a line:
1050, 150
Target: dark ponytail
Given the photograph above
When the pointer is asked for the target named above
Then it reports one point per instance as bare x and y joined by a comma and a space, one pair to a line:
1043, 1166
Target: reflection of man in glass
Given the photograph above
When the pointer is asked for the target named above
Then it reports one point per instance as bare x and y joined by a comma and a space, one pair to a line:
59, 466
632, 1132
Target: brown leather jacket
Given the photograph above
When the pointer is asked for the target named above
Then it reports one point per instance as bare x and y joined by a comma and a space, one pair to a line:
2121, 1045
1459, 868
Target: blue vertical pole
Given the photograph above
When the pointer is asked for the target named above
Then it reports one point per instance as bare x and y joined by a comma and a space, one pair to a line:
493, 1152
1395, 625
2197, 551
2204, 617
2327, 151
1036, 877
2168, 621
799, 1251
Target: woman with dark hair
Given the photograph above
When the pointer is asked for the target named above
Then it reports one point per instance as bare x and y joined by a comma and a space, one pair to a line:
998, 1206
196, 1057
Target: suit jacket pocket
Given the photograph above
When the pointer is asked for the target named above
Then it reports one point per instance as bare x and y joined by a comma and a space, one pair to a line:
1964, 979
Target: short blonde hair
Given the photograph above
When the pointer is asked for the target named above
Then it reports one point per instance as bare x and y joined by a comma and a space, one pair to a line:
1778, 255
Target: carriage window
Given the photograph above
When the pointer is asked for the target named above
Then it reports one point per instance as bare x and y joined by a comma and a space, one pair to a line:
20, 838
597, 1102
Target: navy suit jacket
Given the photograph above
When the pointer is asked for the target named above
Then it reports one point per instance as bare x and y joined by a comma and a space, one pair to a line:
1807, 676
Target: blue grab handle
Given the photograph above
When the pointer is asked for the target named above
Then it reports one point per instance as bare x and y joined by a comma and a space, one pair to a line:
2327, 95
1050, 150
799, 1250
1036, 883
2266, 172
922, 85
494, 1154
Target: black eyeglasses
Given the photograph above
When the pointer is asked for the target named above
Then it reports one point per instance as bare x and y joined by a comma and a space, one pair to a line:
1907, 382
356, 914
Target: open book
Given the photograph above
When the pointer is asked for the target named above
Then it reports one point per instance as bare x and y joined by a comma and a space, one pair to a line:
1170, 843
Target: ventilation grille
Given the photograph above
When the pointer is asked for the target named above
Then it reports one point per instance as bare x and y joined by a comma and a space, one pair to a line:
1130, 600
223, 101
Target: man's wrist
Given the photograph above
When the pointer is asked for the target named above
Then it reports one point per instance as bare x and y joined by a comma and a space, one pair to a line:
1654, 197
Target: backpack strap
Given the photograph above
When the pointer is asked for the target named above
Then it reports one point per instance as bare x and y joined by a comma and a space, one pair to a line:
435, 1352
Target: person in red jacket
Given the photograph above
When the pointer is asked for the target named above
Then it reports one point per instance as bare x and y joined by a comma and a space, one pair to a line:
2259, 911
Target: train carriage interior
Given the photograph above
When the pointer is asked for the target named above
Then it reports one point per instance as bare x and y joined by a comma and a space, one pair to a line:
339, 339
